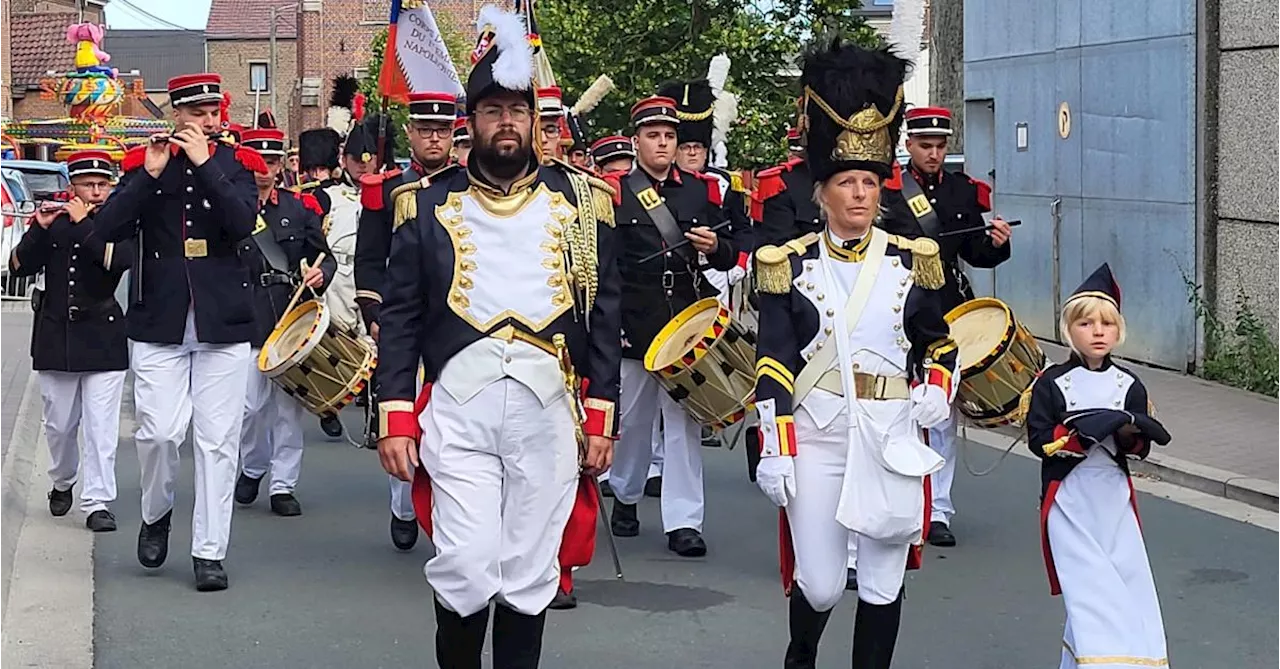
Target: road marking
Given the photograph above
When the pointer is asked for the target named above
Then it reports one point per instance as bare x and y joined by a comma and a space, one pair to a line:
1218, 506
18, 467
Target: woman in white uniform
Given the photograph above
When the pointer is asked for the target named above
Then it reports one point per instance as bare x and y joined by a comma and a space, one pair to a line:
1087, 417
854, 360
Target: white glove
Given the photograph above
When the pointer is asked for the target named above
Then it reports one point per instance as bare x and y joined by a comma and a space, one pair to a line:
776, 476
929, 405
735, 275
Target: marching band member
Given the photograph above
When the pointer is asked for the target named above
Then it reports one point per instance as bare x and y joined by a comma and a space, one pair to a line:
661, 205
288, 232
290, 176
550, 122
783, 208
430, 130
613, 154
485, 310
461, 141
1087, 417
854, 358
925, 200
78, 346
191, 317
359, 151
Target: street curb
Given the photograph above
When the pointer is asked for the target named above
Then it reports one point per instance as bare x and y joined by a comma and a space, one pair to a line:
1179, 472
17, 472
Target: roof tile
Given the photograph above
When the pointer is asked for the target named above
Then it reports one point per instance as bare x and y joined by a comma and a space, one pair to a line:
232, 19
38, 44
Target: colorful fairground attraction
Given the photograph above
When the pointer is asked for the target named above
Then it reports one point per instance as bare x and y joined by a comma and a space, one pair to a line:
93, 94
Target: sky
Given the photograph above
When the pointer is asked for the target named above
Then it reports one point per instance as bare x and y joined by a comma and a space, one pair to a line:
189, 14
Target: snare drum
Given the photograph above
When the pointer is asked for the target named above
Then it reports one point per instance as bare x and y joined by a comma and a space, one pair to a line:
999, 360
706, 362
320, 363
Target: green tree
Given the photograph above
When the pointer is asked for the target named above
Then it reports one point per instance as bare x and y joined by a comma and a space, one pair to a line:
639, 45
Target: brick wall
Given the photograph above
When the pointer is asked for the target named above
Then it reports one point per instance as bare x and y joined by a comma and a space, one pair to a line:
92, 13
31, 106
231, 59
6, 75
334, 38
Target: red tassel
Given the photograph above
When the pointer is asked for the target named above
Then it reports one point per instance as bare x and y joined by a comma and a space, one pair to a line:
713, 188
769, 184
357, 107
252, 160
984, 194
133, 158
895, 182
224, 109
614, 179
310, 202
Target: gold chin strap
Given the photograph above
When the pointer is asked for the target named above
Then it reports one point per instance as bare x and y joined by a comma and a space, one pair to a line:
865, 135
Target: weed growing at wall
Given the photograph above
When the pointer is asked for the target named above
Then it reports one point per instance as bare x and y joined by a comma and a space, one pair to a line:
1238, 353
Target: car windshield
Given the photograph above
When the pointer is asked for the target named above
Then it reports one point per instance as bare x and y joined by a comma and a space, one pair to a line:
44, 183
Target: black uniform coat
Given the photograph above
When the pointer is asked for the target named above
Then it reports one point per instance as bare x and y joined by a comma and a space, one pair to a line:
79, 326
736, 210
654, 292
417, 323
373, 238
293, 221
190, 221
960, 203
782, 204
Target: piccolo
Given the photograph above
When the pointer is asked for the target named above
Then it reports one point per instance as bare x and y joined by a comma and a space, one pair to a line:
715, 228
977, 228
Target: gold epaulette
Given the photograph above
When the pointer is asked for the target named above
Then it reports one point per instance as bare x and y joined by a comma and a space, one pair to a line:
926, 261
601, 192
735, 182
405, 196
298, 188
773, 267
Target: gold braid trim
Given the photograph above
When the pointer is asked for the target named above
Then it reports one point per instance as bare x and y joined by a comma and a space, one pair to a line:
405, 197
580, 234
773, 269
691, 116
926, 261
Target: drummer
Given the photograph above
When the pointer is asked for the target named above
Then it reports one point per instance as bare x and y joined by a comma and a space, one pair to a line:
288, 233
661, 206
946, 201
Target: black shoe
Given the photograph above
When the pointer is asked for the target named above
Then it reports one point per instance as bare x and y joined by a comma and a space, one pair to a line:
686, 542
875, 632
331, 426
606, 490
460, 641
940, 535
624, 522
285, 504
851, 579
210, 575
59, 501
153, 542
101, 521
247, 489
653, 487
563, 600
806, 631
517, 638
404, 533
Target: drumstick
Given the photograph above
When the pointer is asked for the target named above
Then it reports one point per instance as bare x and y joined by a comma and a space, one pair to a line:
298, 293
684, 243
976, 228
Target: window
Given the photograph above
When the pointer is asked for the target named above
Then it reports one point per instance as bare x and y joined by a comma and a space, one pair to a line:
376, 11
360, 73
259, 78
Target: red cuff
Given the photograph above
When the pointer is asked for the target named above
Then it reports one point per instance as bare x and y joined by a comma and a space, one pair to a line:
743, 258
939, 376
397, 418
600, 415
786, 435
1072, 444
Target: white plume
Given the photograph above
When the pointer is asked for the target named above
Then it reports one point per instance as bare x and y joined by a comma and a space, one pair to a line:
906, 29
593, 95
338, 118
722, 119
513, 70
718, 73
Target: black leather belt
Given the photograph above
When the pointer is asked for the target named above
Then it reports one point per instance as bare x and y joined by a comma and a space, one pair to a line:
274, 279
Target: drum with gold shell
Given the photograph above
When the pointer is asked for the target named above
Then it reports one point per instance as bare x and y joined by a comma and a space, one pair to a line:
317, 361
706, 361
999, 361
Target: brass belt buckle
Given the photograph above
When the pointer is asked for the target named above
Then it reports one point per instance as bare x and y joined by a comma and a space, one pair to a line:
195, 248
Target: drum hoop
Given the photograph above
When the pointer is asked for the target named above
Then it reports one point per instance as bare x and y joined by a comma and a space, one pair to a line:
1006, 339
674, 324
320, 325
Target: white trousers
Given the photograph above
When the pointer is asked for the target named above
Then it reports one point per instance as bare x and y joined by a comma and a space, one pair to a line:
203, 386
642, 400
822, 545
1113, 614
655, 462
90, 400
271, 435
942, 439
401, 499
503, 472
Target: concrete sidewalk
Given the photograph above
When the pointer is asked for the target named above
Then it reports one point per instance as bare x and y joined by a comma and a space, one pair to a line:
1226, 442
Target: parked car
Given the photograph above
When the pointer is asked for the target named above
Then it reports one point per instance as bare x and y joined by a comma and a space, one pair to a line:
43, 178
16, 203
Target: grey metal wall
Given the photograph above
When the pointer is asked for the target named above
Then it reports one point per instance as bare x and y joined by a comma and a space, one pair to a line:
1125, 175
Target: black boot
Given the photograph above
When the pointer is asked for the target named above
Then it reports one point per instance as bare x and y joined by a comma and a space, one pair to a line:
247, 489
624, 522
517, 638
210, 575
153, 542
59, 501
331, 425
285, 504
459, 641
806, 630
404, 533
875, 632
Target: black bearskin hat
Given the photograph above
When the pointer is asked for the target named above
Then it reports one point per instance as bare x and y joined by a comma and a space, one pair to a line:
853, 107
318, 148
694, 102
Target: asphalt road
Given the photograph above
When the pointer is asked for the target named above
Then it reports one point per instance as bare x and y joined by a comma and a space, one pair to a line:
328, 590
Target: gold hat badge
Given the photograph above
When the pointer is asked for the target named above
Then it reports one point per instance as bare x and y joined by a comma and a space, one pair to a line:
866, 133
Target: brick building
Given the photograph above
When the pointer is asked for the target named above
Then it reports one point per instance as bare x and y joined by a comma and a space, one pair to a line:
238, 47
35, 42
334, 38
